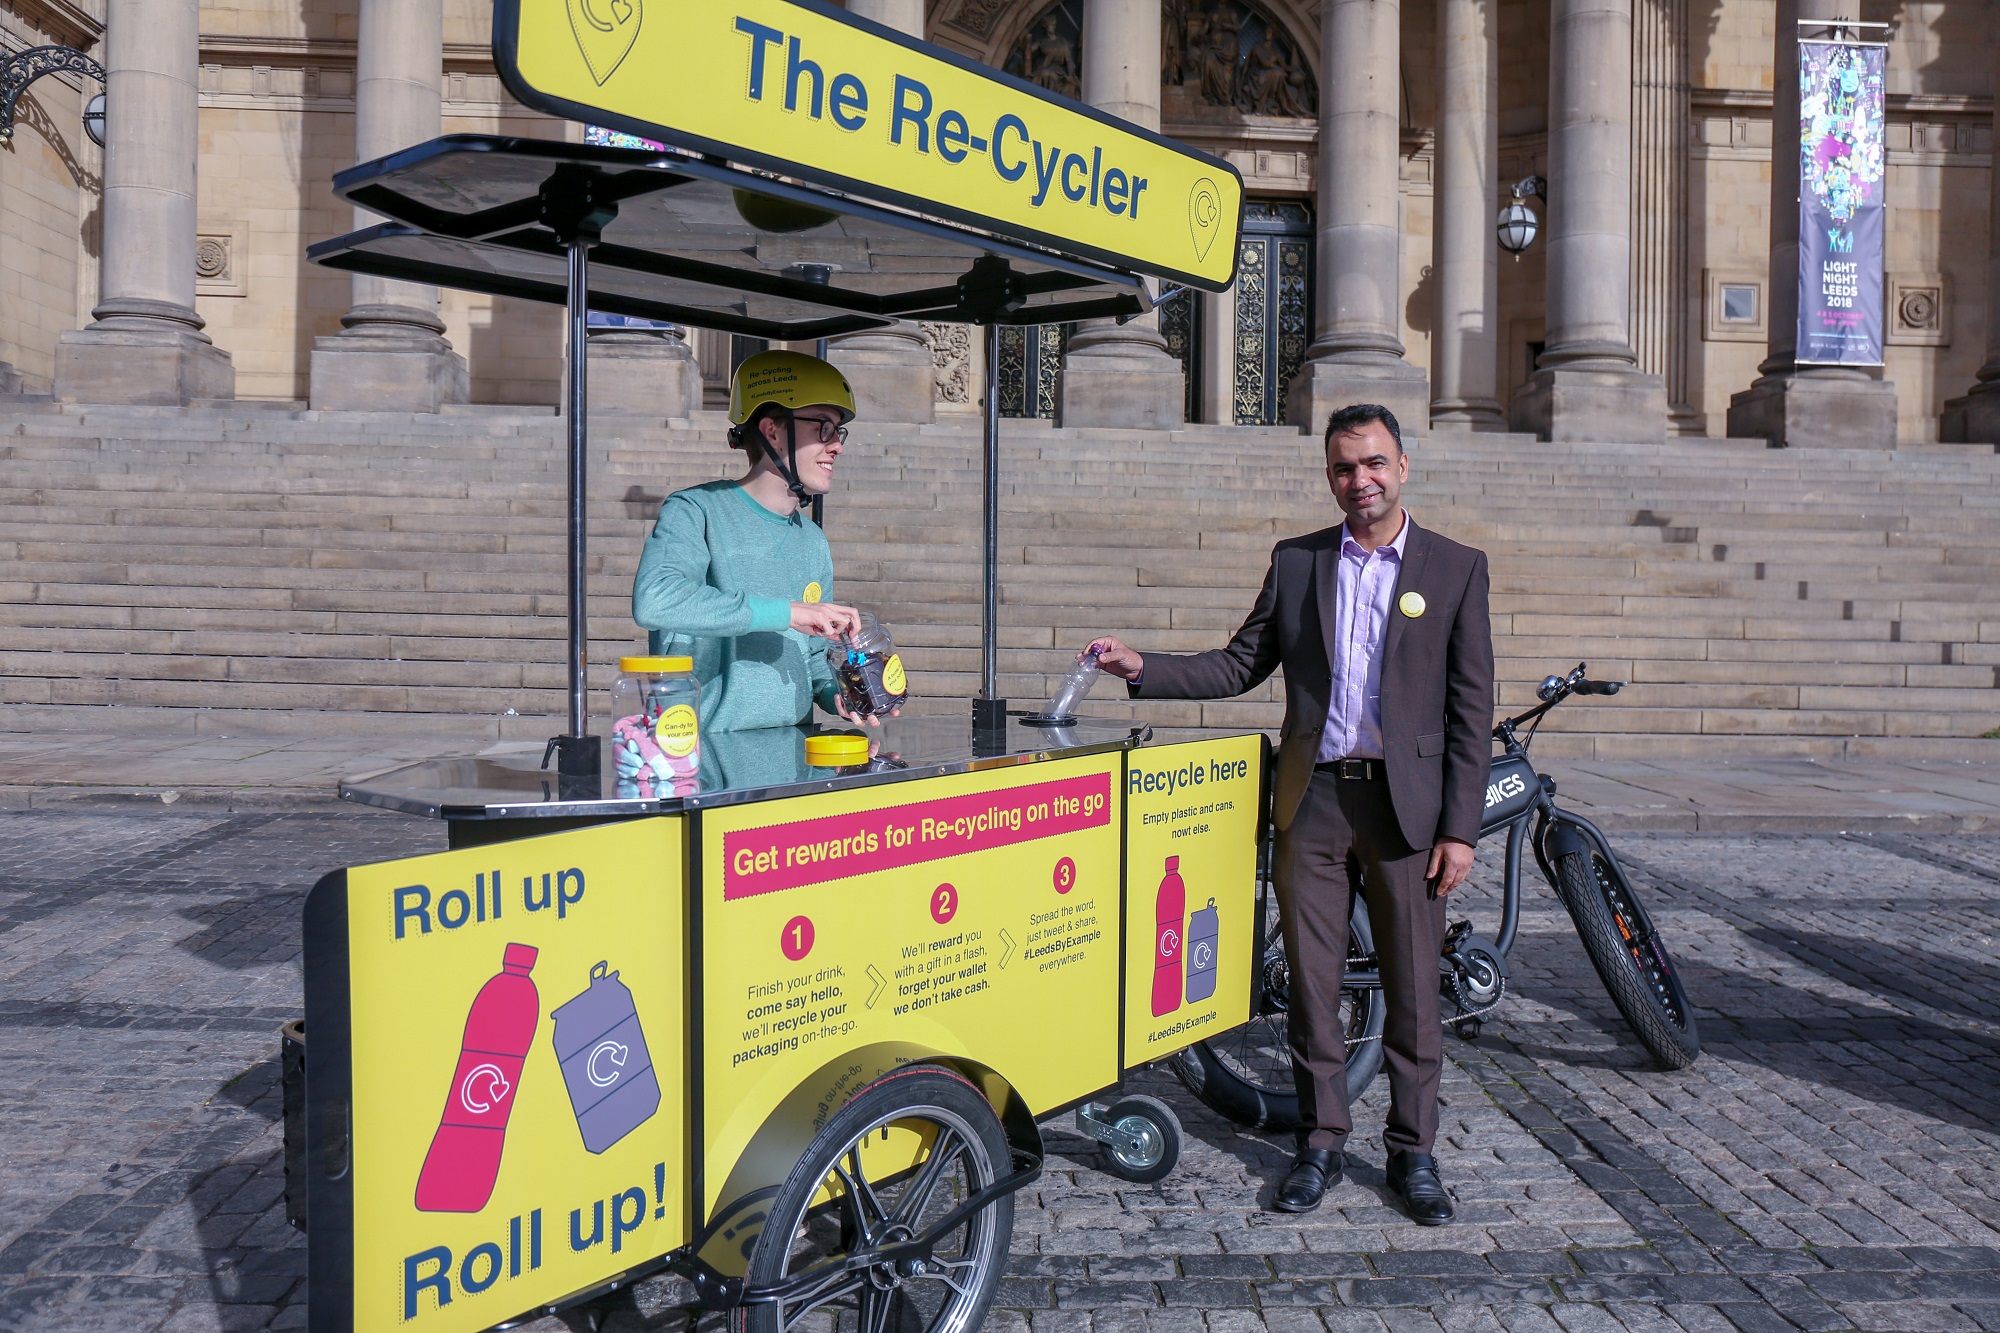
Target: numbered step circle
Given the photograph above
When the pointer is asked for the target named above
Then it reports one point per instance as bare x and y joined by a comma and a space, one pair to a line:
797, 938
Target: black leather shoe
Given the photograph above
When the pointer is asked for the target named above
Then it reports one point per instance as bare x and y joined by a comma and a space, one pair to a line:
1414, 1177
1315, 1171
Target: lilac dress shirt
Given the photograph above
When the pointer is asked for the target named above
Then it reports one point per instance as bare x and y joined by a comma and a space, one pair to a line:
1365, 587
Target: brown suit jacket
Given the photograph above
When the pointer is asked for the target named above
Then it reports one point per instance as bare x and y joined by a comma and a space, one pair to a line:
1437, 677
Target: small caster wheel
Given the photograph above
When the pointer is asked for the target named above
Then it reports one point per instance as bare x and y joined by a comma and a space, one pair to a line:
1146, 1139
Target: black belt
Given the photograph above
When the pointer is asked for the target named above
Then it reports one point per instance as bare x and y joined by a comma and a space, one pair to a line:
1354, 770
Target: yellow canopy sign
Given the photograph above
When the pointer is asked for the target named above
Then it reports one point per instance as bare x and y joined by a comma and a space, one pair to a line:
801, 88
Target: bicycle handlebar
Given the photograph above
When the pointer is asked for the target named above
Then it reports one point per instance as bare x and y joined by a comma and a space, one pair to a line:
1553, 691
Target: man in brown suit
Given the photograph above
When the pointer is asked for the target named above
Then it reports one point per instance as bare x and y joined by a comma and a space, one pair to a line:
1381, 627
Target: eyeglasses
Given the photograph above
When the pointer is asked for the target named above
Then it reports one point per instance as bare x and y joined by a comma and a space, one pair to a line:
829, 431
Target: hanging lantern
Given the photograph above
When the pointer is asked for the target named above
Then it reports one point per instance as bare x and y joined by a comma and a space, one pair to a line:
1516, 227
1517, 224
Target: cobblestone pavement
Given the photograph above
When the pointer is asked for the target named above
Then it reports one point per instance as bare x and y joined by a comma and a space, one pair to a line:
1828, 1164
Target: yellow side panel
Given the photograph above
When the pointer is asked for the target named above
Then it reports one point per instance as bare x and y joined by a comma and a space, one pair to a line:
974, 915
519, 1131
1191, 825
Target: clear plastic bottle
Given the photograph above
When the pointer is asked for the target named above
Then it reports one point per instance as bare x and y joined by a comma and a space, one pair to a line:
1076, 685
869, 671
656, 731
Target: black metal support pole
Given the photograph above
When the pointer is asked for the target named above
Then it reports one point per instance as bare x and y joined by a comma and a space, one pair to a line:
989, 682
989, 710
819, 501
578, 754
578, 407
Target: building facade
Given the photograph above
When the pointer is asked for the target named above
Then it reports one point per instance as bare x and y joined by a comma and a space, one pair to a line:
1377, 140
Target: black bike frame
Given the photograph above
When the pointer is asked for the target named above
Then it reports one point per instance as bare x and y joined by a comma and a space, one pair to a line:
1556, 831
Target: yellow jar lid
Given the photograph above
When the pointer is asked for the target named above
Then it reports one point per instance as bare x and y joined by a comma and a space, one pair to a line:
654, 666
836, 750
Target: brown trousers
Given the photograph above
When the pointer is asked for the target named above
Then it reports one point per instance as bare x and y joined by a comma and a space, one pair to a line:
1345, 840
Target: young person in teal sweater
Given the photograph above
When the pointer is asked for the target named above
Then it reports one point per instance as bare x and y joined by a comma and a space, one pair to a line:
736, 576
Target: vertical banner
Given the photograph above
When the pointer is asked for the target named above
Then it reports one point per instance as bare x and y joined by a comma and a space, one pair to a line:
1840, 203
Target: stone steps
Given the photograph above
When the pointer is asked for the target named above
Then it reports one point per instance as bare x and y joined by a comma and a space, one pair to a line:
200, 570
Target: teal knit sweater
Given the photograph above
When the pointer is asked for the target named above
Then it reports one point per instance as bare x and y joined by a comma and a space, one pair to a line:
716, 583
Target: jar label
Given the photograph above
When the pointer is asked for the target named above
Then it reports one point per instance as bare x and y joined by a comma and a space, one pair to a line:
893, 679
677, 731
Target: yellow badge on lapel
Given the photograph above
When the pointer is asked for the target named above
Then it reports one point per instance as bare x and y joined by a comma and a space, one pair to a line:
812, 593
1411, 604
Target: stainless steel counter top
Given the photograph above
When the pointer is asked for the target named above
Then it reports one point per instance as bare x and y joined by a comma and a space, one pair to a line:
736, 767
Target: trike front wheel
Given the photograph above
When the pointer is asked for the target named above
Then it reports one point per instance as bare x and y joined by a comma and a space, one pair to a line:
862, 1236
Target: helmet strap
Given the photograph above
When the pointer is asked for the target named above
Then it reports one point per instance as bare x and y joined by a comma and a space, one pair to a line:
789, 468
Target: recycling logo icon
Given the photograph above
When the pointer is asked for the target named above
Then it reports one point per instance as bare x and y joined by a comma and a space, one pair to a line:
606, 1063
1204, 215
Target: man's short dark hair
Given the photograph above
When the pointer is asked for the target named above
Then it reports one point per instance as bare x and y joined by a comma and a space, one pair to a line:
1356, 415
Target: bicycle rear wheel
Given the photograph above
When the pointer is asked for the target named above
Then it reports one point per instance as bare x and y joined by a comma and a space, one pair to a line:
1246, 1075
1630, 957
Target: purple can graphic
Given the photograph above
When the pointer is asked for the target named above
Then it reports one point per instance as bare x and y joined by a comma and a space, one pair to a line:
605, 1064
1203, 930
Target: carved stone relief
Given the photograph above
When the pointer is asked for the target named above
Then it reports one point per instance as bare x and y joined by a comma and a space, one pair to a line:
1226, 54
1234, 56
219, 248
1050, 52
951, 346
1919, 310
980, 17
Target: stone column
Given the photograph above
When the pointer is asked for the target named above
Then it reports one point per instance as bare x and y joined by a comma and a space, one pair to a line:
893, 371
905, 16
1465, 349
391, 354
643, 372
1589, 385
1218, 356
1121, 374
1357, 350
1789, 403
1975, 417
1662, 119
145, 344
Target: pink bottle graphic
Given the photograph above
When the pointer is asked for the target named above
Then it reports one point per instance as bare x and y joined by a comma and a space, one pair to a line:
464, 1160
1170, 911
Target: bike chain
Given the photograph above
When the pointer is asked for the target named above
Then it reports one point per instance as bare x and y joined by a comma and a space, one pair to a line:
1466, 1011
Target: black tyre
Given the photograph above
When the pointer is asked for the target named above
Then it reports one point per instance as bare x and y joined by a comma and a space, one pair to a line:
1629, 955
1246, 1075
1154, 1132
959, 1149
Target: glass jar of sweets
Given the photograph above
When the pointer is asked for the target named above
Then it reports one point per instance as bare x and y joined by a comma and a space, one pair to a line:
656, 726
869, 672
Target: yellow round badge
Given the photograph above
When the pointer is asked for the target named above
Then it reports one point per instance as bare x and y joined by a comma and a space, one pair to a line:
677, 731
1411, 604
893, 679
813, 592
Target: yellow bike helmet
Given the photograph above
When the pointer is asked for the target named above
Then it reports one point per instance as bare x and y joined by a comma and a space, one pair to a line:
792, 380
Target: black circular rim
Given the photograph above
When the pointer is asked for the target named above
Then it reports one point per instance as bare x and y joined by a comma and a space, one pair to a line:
864, 1217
